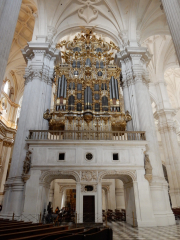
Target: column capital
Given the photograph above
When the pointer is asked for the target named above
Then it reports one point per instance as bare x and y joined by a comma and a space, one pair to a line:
40, 58
134, 53
165, 118
134, 61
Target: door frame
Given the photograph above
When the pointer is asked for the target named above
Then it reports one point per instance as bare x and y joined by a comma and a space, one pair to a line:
95, 202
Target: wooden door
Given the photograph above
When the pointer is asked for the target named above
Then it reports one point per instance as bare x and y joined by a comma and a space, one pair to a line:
88, 208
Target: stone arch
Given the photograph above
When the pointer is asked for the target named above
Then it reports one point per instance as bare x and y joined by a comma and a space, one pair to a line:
48, 176
123, 175
65, 187
153, 97
73, 29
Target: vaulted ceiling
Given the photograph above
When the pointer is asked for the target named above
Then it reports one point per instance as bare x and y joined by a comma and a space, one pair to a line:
123, 21
23, 34
120, 19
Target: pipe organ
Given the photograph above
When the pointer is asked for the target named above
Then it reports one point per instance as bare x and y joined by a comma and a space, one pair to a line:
88, 91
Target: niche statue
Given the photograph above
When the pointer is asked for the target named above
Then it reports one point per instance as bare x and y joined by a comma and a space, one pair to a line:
27, 162
148, 168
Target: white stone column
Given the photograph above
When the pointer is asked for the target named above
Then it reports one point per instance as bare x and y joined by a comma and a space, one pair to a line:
2, 4
79, 203
139, 58
172, 11
40, 58
119, 190
129, 94
141, 205
99, 203
103, 199
57, 195
5, 156
171, 149
8, 19
51, 194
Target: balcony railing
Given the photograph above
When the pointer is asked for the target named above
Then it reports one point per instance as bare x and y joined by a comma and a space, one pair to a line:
47, 135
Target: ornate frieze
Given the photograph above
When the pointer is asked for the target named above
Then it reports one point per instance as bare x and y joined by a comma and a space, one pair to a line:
88, 176
7, 144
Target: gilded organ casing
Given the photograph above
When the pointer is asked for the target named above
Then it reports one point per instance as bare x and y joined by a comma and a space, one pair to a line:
88, 94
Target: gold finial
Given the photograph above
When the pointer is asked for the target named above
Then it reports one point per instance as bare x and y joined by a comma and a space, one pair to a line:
88, 31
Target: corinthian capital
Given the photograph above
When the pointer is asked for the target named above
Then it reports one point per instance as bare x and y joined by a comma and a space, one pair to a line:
37, 74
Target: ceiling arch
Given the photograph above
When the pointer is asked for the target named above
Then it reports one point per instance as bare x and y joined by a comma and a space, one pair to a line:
163, 55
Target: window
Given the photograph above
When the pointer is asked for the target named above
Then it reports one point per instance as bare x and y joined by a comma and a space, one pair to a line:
6, 87
61, 156
89, 156
115, 156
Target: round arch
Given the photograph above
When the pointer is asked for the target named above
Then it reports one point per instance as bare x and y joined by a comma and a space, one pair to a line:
124, 176
48, 176
74, 28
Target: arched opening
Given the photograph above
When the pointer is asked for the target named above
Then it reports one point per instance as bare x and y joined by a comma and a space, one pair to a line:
118, 198
52, 189
7, 87
62, 194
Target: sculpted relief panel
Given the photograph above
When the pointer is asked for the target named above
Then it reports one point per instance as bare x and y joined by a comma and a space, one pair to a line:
88, 176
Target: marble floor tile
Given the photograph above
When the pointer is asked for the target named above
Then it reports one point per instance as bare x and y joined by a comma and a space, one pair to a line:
123, 231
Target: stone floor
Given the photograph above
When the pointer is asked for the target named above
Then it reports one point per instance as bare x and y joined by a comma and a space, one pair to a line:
123, 231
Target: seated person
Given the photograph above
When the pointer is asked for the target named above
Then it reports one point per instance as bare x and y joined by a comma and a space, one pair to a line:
57, 210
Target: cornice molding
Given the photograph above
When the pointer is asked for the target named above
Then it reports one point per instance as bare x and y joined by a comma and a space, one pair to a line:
5, 129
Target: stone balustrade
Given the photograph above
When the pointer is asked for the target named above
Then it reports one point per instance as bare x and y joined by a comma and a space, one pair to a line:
86, 135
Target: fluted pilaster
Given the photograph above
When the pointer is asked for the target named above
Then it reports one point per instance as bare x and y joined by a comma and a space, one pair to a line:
8, 19
172, 11
36, 99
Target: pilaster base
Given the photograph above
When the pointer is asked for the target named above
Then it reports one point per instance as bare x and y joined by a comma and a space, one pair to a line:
160, 201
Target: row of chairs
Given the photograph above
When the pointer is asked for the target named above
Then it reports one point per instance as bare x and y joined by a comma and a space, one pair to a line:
117, 215
19, 230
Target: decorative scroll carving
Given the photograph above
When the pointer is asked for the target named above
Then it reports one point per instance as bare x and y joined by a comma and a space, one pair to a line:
47, 115
148, 168
88, 176
27, 163
7, 144
84, 185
